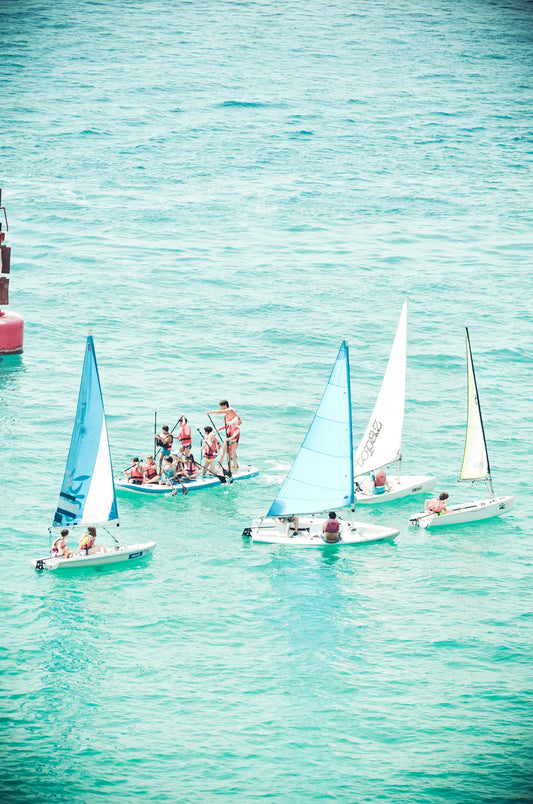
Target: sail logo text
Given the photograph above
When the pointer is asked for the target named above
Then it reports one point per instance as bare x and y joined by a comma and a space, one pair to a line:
367, 449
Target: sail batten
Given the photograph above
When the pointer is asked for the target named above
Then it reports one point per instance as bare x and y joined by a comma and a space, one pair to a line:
87, 495
475, 464
381, 443
321, 476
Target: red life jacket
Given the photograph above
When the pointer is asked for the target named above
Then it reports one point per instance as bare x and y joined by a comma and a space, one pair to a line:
136, 472
150, 470
437, 506
332, 526
184, 436
167, 443
210, 448
227, 423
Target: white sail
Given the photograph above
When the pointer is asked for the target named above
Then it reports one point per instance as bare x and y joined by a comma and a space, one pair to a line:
475, 459
382, 441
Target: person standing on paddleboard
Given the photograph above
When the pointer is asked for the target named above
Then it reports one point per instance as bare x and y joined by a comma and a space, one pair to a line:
229, 415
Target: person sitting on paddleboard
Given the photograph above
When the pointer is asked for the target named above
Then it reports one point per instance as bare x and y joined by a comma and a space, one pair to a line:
437, 506
167, 475
179, 468
330, 528
134, 472
150, 474
191, 470
164, 439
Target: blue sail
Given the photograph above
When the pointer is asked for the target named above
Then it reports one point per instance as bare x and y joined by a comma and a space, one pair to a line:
321, 476
87, 494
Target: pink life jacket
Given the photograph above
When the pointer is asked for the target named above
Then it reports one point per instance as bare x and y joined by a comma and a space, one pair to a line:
184, 435
437, 506
332, 526
379, 478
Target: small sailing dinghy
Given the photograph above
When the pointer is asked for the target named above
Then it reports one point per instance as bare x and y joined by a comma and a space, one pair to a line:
87, 496
475, 467
381, 445
321, 477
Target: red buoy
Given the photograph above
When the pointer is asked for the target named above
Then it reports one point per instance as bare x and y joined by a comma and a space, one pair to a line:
11, 333
11, 324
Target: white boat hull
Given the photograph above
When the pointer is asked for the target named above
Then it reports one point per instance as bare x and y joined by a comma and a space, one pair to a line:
199, 483
271, 531
405, 486
120, 555
462, 514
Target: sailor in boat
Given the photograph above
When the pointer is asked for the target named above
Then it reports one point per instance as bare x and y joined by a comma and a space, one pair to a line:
330, 529
88, 543
185, 437
292, 523
210, 449
379, 482
59, 547
438, 505
150, 474
164, 439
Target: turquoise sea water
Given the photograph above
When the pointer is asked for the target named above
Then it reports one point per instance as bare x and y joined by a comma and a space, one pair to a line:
223, 191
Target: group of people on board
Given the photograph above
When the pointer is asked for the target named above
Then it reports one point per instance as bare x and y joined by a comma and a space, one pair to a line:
87, 545
179, 465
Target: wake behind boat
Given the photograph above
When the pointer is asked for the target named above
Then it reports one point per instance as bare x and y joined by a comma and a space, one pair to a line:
475, 467
184, 486
381, 445
87, 497
320, 478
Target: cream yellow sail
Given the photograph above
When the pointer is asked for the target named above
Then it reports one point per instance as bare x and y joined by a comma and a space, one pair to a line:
475, 459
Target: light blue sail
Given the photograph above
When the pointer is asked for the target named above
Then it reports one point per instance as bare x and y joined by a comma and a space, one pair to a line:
321, 476
87, 495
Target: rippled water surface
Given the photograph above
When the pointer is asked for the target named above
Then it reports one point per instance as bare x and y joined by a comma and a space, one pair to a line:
223, 191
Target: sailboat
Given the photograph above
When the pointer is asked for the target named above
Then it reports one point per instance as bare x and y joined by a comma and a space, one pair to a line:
381, 445
87, 496
475, 467
321, 476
